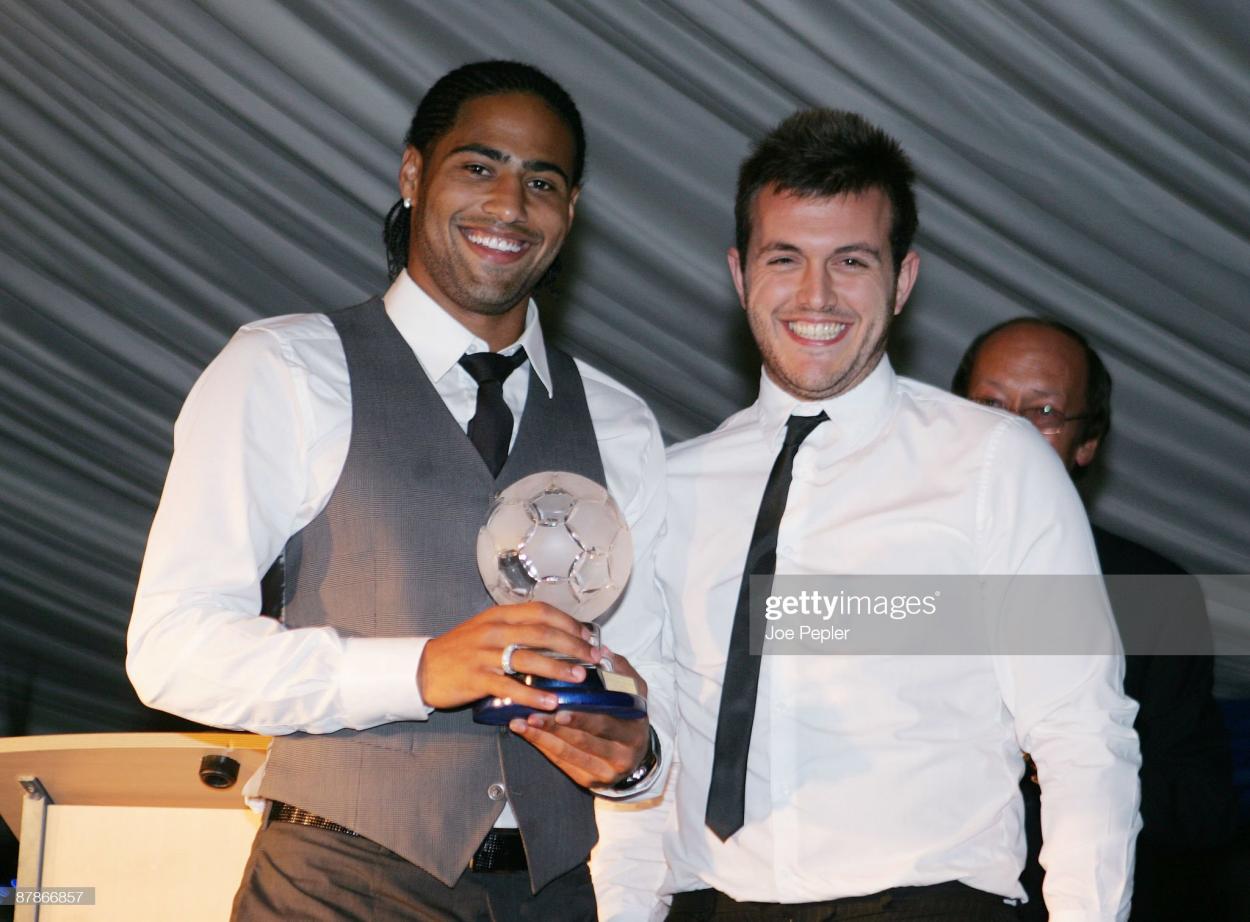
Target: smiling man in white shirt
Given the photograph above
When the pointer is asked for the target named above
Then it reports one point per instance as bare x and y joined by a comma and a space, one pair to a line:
865, 787
364, 445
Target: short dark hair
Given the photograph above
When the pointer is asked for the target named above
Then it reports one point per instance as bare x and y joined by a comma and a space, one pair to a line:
437, 113
821, 153
1097, 378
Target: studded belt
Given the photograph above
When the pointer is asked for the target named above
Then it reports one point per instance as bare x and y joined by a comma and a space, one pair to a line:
288, 813
501, 850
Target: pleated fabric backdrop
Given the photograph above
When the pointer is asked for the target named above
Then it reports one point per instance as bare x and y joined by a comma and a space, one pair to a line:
171, 169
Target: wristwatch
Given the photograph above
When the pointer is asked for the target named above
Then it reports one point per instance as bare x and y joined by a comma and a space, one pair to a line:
650, 762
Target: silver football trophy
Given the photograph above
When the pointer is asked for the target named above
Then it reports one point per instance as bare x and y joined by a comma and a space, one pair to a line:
559, 538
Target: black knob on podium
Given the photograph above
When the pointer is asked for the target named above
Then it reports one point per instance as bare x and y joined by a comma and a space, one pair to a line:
218, 771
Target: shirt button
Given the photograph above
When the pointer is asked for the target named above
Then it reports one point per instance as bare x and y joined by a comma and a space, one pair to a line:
496, 791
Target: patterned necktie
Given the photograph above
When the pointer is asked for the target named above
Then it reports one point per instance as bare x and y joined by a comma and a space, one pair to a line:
490, 429
726, 798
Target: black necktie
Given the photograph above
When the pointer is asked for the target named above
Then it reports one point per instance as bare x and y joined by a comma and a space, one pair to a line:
490, 429
726, 797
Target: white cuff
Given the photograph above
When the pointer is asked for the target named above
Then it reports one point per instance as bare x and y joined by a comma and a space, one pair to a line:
378, 681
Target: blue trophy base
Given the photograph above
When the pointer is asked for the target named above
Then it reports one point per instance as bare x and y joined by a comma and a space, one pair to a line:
589, 695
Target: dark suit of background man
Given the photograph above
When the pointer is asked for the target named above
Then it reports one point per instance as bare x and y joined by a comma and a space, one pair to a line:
1047, 372
364, 445
865, 787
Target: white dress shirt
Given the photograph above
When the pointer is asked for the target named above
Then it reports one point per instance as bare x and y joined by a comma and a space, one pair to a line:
258, 447
872, 772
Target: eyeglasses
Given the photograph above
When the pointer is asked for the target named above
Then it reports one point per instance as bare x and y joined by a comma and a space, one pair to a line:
1047, 419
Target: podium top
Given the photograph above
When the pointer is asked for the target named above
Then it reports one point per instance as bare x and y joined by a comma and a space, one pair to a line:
124, 769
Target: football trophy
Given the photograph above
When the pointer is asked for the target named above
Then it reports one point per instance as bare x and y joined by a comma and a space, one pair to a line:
559, 538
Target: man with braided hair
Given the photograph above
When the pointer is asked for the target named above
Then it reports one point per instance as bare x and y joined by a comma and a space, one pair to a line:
363, 446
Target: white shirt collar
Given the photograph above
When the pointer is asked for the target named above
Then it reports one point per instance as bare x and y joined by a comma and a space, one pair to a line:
438, 339
856, 415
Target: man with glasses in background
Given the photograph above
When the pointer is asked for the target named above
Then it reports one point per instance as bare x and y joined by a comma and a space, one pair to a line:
1047, 372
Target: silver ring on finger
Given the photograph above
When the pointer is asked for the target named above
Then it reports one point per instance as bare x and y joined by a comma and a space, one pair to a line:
505, 658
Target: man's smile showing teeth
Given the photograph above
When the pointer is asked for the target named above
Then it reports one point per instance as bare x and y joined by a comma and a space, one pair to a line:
492, 242
821, 332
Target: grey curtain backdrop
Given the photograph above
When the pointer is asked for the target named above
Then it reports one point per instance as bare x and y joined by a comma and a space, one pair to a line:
171, 169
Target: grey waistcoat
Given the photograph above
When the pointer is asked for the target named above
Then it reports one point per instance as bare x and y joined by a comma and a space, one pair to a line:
392, 555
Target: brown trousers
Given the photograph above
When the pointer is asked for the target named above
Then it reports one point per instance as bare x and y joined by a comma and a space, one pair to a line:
316, 875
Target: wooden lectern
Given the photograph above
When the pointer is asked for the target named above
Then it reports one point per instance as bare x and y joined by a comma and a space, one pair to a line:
128, 815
